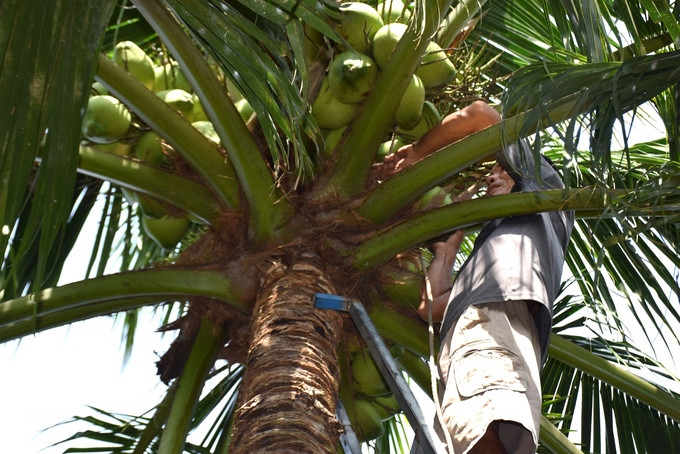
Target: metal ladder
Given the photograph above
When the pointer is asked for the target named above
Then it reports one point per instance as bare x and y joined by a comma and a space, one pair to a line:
425, 440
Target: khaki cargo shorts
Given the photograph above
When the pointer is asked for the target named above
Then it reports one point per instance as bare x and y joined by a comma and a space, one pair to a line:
488, 371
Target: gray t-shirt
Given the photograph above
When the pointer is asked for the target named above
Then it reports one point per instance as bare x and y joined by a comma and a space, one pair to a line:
516, 258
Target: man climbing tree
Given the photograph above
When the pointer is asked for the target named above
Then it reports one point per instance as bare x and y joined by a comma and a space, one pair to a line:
497, 316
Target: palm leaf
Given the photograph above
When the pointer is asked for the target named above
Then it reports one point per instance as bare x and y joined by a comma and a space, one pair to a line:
235, 37
122, 433
49, 62
603, 409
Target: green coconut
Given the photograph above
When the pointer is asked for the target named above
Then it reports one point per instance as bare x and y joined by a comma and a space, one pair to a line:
151, 207
406, 291
131, 58
199, 113
387, 148
437, 191
386, 406
384, 42
313, 42
436, 69
166, 231
106, 119
367, 377
118, 148
99, 89
330, 113
427, 121
195, 219
351, 76
411, 105
179, 100
331, 141
393, 11
357, 24
208, 130
245, 109
367, 423
170, 76
149, 149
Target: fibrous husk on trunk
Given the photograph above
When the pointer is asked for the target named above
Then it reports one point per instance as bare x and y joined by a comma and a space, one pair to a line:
290, 388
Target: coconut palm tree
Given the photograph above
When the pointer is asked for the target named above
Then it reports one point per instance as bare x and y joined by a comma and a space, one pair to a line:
275, 219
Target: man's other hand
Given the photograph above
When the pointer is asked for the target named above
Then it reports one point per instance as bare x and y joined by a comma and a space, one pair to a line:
439, 274
394, 163
450, 246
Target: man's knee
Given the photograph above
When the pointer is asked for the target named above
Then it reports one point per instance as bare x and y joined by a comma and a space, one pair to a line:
489, 443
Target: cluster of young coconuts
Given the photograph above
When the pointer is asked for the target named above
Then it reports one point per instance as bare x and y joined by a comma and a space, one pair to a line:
108, 126
373, 400
373, 34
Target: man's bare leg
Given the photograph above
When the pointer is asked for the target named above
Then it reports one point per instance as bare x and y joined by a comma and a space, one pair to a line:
489, 443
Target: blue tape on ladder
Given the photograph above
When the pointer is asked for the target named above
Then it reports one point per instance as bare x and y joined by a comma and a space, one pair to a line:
327, 301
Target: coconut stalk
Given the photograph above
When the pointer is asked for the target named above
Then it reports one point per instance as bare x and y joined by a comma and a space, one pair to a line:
290, 388
209, 341
650, 45
185, 194
591, 364
115, 293
155, 425
432, 224
267, 207
400, 329
455, 21
72, 315
355, 155
201, 154
418, 370
558, 443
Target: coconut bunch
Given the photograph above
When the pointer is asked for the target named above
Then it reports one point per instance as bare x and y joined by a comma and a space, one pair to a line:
373, 400
373, 34
108, 126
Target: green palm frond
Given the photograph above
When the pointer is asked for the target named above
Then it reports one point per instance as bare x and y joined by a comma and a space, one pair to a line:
118, 431
122, 433
603, 92
55, 55
605, 413
127, 24
623, 260
520, 31
18, 272
249, 42
665, 106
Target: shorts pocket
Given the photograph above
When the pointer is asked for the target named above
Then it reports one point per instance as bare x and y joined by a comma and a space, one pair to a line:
483, 367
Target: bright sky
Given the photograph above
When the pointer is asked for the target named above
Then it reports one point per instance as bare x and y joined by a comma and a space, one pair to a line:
53, 376
48, 378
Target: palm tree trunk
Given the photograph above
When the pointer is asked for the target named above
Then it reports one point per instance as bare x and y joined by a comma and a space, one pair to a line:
290, 388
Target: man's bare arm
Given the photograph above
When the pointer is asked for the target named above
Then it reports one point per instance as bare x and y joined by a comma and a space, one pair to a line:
439, 274
452, 128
